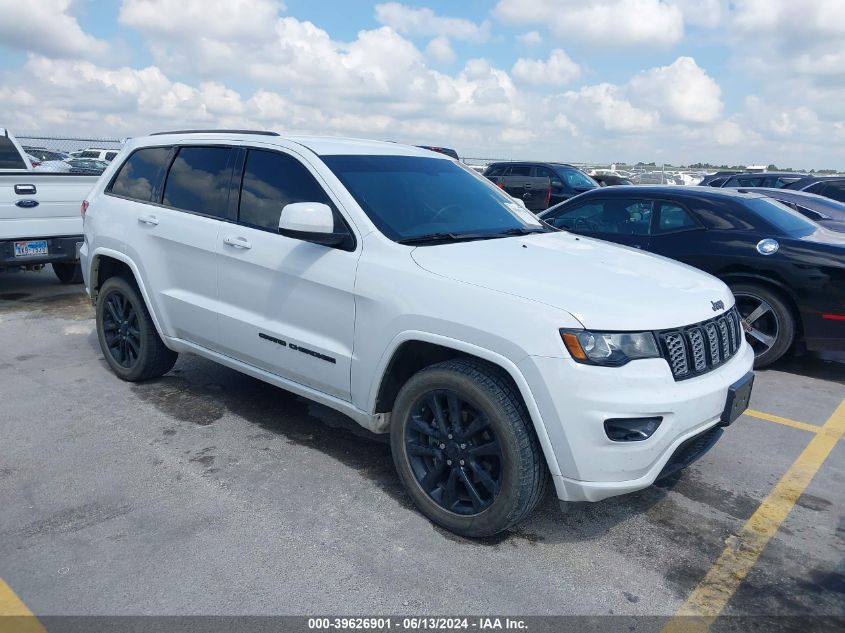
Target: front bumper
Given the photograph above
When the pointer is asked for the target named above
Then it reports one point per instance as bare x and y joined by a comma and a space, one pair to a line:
59, 249
574, 401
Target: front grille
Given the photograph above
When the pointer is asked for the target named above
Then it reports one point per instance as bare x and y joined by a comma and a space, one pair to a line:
701, 347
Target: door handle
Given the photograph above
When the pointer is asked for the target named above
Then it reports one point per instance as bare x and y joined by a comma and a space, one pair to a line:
237, 242
148, 219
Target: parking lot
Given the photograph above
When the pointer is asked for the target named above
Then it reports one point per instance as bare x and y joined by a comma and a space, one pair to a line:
210, 492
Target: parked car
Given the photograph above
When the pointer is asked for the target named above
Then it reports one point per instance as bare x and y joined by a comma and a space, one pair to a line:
39, 215
609, 180
86, 166
93, 153
47, 165
825, 211
534, 192
45, 155
403, 289
717, 179
441, 150
786, 272
762, 179
828, 186
566, 180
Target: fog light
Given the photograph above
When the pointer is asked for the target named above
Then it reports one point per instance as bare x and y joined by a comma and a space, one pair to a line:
631, 429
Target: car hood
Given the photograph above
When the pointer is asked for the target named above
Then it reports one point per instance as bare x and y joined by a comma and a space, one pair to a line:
603, 285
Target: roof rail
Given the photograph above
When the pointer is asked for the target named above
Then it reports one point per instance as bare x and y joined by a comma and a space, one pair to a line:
259, 132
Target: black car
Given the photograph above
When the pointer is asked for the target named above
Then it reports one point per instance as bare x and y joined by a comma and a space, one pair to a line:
566, 180
786, 272
775, 179
448, 151
717, 179
609, 180
825, 211
827, 186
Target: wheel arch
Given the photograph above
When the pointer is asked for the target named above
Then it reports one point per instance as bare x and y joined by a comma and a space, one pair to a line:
410, 352
107, 263
773, 284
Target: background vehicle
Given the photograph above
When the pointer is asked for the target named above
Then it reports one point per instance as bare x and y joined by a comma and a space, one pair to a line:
39, 216
566, 180
535, 193
43, 155
786, 272
825, 211
86, 166
106, 155
717, 179
402, 288
48, 165
827, 186
762, 179
441, 150
609, 180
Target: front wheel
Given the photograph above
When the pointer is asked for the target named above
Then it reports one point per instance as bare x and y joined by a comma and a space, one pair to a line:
128, 338
769, 324
465, 450
68, 272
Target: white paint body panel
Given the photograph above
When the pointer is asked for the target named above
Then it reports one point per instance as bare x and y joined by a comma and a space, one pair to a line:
501, 300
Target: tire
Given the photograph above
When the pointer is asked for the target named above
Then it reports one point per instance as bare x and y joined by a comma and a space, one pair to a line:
775, 322
428, 455
137, 353
68, 273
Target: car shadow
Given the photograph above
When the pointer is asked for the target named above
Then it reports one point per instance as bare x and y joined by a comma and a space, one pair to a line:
822, 365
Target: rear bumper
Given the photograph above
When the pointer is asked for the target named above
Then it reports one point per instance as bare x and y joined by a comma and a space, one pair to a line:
59, 249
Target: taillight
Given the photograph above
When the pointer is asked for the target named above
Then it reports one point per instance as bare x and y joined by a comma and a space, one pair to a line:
548, 196
35, 163
500, 185
83, 208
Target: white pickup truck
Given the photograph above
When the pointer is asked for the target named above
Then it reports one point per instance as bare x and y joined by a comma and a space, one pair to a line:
40, 221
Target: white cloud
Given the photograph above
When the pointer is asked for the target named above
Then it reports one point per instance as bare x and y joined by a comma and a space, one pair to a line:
530, 38
682, 91
606, 103
606, 23
211, 19
46, 27
410, 21
558, 70
439, 49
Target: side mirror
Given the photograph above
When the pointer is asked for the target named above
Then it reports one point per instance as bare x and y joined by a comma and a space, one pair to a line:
310, 222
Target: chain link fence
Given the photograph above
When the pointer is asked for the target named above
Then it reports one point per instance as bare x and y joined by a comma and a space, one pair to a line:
70, 154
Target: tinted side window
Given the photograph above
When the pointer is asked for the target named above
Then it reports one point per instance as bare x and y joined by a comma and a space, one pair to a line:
816, 187
545, 172
521, 170
674, 218
493, 172
110, 155
835, 190
140, 174
9, 156
618, 216
89, 155
198, 180
272, 180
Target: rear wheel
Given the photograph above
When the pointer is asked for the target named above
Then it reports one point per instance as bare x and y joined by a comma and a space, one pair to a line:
465, 449
128, 338
68, 273
769, 324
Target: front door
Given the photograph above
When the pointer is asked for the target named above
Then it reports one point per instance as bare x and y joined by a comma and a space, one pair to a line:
287, 306
621, 220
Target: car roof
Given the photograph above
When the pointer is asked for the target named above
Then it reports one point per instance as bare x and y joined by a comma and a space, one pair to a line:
531, 162
684, 191
752, 174
809, 180
320, 145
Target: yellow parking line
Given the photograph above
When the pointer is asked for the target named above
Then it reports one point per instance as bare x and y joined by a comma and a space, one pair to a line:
15, 617
717, 587
812, 428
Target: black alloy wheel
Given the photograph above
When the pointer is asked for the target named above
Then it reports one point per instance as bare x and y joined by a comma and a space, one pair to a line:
767, 322
121, 330
453, 452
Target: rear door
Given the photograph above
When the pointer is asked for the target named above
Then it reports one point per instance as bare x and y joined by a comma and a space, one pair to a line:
287, 306
173, 237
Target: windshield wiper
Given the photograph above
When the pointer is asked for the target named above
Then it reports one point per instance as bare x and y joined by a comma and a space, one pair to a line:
522, 231
445, 237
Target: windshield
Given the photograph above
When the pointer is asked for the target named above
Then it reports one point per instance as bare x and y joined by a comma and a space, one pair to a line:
792, 223
577, 179
411, 196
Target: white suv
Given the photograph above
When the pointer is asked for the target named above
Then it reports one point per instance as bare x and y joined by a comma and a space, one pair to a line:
408, 292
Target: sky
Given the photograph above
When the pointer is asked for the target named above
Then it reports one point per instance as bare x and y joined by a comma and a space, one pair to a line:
586, 81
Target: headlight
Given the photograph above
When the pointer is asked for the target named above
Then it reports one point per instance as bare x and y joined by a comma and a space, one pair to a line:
609, 348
